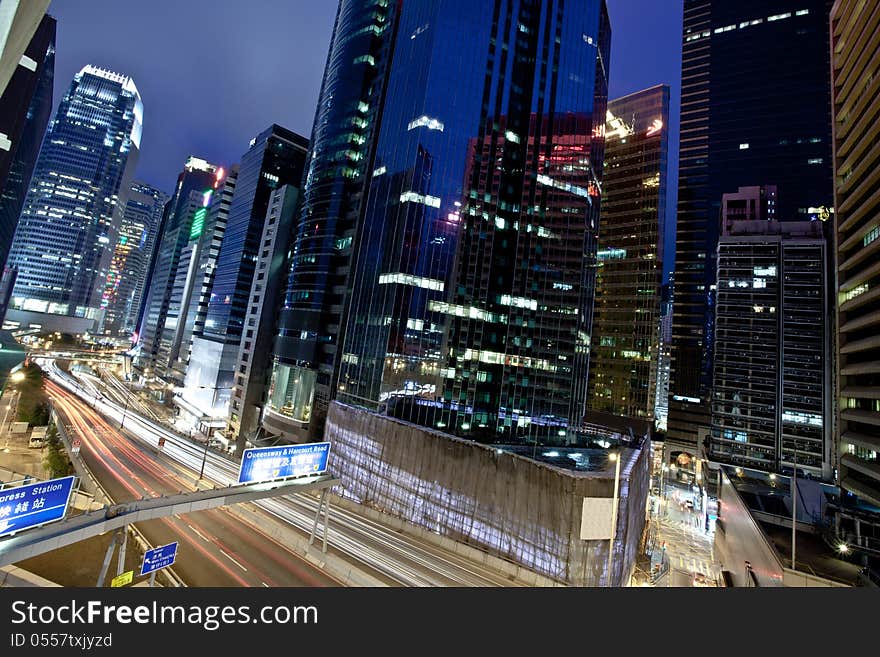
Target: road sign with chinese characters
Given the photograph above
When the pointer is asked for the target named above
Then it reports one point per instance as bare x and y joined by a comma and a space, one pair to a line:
267, 463
35, 504
160, 557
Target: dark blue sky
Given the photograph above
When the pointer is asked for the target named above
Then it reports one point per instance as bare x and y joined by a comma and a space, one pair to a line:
214, 73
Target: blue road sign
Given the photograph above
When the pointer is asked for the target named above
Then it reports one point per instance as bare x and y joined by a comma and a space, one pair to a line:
160, 557
35, 504
266, 463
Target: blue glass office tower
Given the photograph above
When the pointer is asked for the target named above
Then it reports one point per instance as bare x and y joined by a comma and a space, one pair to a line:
276, 157
756, 110
67, 231
341, 151
25, 108
470, 140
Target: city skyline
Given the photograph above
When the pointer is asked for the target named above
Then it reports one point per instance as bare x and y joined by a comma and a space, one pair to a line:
221, 133
461, 291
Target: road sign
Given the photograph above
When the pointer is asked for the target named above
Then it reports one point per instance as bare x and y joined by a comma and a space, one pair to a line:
266, 463
160, 557
123, 579
35, 504
75, 446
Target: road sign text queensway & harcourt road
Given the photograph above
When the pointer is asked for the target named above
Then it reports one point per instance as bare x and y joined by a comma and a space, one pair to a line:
267, 463
35, 504
160, 557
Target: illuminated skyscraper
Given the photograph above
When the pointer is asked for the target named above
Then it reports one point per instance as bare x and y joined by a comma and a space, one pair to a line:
626, 320
159, 338
68, 228
444, 258
755, 108
276, 157
771, 389
138, 235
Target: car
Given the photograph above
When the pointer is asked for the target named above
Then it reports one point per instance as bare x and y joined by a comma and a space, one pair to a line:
36, 443
689, 504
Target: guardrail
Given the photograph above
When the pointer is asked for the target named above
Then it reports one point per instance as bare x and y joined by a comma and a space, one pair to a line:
86, 477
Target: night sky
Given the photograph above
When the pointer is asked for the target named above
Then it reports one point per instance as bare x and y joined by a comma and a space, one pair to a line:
214, 73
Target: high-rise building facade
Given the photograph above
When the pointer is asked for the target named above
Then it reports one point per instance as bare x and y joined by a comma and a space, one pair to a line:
158, 339
137, 239
208, 249
25, 107
475, 165
276, 157
771, 390
626, 321
19, 19
341, 147
856, 85
68, 228
755, 108
254, 363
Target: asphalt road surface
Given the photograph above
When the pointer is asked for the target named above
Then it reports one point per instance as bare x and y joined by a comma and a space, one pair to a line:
215, 549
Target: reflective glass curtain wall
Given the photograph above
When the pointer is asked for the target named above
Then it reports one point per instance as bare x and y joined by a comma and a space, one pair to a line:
474, 265
340, 155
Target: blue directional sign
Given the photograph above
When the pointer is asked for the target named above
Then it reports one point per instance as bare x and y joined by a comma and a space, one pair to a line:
35, 504
160, 557
267, 463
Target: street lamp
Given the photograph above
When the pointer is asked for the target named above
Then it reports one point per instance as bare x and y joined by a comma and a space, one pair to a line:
204, 459
613, 456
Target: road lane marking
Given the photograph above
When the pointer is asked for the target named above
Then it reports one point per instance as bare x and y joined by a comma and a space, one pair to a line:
200, 534
233, 560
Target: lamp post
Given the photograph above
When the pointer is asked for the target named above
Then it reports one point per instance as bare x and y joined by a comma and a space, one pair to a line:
613, 456
125, 410
204, 459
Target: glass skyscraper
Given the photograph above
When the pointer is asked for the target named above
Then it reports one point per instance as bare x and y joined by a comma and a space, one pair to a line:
138, 235
460, 167
68, 228
756, 109
341, 146
626, 322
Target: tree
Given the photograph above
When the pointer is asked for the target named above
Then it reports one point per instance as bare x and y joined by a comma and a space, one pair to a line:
56, 461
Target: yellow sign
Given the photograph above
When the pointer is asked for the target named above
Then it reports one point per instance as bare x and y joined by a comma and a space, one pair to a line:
123, 579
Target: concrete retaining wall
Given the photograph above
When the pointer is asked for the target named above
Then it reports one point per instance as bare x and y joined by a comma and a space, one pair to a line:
516, 509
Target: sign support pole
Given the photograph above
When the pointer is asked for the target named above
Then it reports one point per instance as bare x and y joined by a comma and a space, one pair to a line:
152, 579
326, 517
317, 515
107, 557
121, 563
